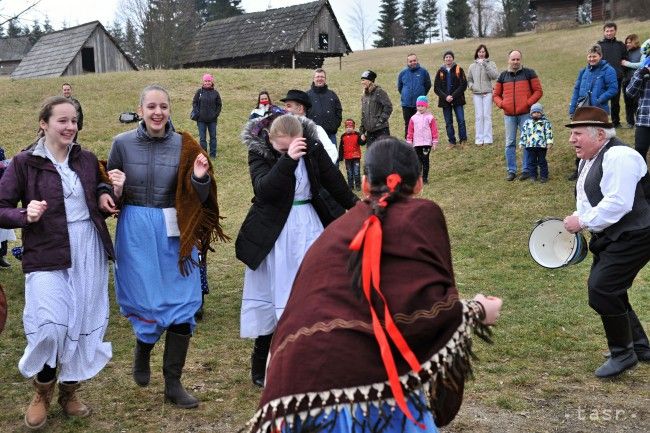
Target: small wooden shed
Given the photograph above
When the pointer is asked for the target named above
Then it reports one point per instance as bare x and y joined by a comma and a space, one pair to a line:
299, 36
12, 51
563, 13
84, 49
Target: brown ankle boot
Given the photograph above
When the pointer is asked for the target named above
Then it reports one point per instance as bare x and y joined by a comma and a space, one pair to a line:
36, 414
69, 401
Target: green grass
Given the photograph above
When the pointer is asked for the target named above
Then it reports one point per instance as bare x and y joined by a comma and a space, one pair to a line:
547, 343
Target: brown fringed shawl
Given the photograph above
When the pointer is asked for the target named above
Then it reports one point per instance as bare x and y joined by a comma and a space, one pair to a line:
324, 355
198, 222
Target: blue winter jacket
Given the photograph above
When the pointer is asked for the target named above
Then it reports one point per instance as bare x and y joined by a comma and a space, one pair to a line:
412, 83
601, 80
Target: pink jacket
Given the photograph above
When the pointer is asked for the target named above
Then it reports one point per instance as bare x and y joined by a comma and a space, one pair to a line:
422, 130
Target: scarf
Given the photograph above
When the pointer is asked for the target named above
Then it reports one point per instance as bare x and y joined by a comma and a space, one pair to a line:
336, 350
198, 222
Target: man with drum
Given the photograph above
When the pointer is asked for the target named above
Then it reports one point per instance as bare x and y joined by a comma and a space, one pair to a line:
611, 204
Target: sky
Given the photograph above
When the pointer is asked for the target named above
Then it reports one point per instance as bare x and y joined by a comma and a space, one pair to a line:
75, 12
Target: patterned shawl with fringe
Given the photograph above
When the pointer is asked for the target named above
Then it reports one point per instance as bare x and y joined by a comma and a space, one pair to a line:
324, 354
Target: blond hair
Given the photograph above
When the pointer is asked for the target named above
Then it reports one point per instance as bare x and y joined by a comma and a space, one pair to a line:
286, 125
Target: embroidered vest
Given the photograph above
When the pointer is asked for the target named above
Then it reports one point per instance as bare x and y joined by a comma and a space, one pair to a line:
639, 217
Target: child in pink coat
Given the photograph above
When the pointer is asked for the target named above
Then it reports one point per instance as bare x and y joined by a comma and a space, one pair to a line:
423, 134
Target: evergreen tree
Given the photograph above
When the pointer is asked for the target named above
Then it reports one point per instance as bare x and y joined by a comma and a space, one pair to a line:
13, 29
429, 19
210, 10
386, 29
516, 16
413, 32
117, 33
132, 42
35, 33
47, 26
459, 25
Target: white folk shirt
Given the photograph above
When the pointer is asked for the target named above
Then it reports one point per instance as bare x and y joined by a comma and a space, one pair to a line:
623, 167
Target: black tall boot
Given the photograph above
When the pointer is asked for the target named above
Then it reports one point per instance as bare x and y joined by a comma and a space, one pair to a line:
619, 339
639, 338
258, 359
141, 367
173, 362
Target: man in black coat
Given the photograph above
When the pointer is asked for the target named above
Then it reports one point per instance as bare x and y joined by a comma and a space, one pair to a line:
325, 109
614, 52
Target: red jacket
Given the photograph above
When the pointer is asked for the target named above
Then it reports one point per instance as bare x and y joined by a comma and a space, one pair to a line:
350, 146
515, 92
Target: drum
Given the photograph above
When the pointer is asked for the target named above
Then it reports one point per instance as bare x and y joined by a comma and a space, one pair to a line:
551, 246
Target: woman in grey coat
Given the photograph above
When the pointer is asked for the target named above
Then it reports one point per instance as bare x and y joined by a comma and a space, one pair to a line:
480, 78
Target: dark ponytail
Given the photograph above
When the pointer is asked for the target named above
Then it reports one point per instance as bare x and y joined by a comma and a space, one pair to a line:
385, 157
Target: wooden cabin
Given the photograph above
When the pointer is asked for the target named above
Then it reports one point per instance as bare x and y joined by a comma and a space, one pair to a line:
12, 51
84, 49
564, 13
299, 36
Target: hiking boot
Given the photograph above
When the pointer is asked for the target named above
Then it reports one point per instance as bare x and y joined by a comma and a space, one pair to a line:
524, 176
70, 402
36, 413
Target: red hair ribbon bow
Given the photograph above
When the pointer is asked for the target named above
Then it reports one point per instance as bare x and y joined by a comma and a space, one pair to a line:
392, 180
370, 238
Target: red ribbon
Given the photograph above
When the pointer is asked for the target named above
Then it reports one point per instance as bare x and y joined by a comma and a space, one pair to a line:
392, 180
370, 237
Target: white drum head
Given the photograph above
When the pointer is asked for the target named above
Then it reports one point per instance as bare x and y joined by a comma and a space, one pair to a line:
550, 245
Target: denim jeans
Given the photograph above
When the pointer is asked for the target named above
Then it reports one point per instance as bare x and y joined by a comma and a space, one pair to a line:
353, 168
212, 130
536, 157
512, 124
449, 123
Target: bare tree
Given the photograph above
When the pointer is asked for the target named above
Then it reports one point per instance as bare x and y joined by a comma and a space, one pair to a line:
361, 25
483, 17
165, 29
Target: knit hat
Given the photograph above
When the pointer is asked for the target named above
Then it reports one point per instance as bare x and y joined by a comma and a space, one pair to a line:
207, 77
645, 48
451, 53
422, 100
369, 75
537, 108
349, 123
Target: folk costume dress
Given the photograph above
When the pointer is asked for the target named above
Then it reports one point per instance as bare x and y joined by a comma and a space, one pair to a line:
66, 290
166, 215
282, 223
326, 371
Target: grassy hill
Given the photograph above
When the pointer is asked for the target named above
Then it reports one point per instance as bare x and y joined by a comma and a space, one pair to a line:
537, 377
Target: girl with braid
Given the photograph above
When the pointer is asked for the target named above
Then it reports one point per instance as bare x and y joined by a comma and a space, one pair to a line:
375, 337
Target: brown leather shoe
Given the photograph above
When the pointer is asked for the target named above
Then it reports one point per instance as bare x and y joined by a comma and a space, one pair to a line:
69, 401
36, 414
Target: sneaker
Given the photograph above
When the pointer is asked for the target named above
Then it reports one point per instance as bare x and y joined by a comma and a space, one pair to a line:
524, 176
511, 176
543, 180
573, 176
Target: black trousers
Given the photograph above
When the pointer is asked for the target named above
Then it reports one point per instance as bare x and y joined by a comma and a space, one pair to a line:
3, 248
642, 140
615, 265
615, 104
631, 104
407, 113
423, 155
376, 135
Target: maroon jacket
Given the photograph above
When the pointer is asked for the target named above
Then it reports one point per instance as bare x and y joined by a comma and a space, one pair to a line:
46, 242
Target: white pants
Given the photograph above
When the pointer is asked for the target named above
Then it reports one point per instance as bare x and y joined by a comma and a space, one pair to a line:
483, 118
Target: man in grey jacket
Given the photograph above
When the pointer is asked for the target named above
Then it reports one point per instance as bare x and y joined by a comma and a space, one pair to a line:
376, 109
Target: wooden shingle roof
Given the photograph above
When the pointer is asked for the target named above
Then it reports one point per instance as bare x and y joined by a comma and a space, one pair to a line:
269, 31
53, 52
13, 49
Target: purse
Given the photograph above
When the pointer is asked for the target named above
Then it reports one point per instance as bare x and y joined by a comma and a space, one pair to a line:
194, 114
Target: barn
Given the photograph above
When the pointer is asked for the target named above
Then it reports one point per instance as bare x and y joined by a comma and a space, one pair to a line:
564, 13
300, 36
84, 49
12, 51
